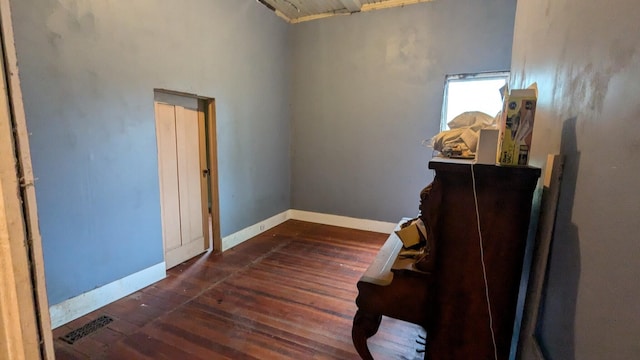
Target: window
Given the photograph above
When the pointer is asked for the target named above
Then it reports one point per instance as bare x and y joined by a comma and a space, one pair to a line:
472, 92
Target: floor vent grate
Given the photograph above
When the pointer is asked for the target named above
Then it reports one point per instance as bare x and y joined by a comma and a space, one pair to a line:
86, 329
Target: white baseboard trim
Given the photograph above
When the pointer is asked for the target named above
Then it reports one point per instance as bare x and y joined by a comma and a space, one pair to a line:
83, 304
343, 221
247, 233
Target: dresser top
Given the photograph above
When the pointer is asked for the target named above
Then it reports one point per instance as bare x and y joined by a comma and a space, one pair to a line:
464, 165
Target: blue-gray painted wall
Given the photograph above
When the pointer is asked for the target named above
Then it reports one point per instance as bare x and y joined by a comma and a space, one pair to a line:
88, 70
364, 91
585, 57
368, 88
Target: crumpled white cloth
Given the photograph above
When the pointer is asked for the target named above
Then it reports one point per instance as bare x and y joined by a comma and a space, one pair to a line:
462, 139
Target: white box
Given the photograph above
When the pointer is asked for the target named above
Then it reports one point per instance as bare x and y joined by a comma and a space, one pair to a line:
487, 149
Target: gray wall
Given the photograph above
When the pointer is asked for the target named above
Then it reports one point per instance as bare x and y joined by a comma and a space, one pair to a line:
88, 70
584, 56
367, 89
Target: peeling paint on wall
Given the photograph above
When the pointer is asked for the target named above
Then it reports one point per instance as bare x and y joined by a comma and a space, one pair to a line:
407, 55
584, 56
589, 84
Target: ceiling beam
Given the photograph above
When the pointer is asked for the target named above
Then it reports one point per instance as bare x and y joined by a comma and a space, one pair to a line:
352, 5
390, 4
315, 17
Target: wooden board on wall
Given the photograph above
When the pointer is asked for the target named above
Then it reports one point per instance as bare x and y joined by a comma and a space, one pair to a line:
529, 348
33, 313
20, 333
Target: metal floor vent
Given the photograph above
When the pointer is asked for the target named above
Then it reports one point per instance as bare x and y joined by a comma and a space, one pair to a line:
86, 329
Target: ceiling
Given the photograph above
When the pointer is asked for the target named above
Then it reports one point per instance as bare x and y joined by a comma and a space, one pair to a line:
295, 11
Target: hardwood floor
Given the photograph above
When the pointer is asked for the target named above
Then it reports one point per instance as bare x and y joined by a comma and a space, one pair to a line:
286, 294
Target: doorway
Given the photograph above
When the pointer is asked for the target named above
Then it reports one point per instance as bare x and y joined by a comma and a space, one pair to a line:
187, 170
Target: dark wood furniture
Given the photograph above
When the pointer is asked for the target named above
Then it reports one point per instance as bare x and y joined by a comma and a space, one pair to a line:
393, 287
448, 296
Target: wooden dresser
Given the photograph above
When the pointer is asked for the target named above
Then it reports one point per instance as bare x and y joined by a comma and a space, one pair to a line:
447, 294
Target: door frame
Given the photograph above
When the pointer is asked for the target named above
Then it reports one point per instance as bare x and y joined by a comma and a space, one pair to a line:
207, 113
24, 311
212, 162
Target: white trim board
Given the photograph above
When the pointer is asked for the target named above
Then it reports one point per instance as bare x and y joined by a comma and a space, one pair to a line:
247, 233
83, 304
343, 221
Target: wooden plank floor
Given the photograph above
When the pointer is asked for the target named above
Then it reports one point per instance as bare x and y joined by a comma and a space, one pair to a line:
288, 293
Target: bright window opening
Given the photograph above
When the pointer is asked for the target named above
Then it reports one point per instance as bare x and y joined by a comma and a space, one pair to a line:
472, 92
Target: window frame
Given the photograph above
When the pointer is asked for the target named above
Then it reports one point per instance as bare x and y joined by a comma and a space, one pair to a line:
489, 75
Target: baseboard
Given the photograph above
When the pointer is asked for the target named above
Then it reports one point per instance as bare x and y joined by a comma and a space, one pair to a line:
78, 306
343, 221
247, 233
83, 304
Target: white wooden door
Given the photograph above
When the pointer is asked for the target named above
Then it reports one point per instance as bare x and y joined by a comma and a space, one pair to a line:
180, 167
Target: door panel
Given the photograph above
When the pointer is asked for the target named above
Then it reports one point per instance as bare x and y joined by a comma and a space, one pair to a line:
183, 223
189, 174
168, 171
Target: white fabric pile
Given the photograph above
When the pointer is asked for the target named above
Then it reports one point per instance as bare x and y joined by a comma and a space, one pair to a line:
462, 139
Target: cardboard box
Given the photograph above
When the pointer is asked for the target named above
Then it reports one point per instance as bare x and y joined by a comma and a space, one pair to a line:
516, 129
410, 235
